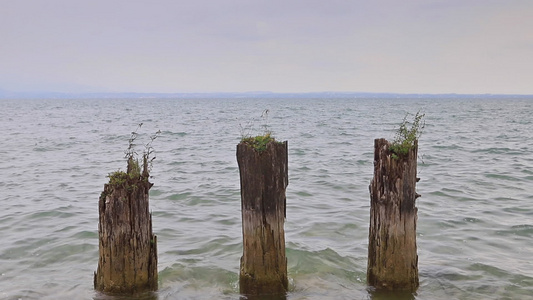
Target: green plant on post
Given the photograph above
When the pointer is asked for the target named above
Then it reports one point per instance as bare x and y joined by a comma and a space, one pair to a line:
406, 136
134, 170
259, 142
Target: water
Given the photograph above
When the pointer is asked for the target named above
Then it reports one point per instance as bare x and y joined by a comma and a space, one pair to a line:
475, 221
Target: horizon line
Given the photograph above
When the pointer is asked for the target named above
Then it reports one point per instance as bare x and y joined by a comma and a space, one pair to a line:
252, 94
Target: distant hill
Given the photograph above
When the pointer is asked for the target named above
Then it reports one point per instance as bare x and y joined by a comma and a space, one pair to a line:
260, 94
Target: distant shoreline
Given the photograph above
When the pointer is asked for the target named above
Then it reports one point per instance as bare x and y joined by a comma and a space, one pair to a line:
243, 95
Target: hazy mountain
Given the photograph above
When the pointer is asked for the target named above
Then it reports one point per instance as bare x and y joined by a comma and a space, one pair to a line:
4, 94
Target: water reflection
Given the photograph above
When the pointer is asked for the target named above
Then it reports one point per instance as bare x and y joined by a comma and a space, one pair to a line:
390, 295
142, 296
264, 297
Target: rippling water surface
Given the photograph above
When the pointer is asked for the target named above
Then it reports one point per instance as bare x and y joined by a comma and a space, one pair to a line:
475, 216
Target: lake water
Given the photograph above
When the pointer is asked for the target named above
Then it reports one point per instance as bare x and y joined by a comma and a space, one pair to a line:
475, 216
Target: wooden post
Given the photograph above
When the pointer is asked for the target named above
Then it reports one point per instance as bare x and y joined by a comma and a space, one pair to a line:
264, 178
392, 255
127, 246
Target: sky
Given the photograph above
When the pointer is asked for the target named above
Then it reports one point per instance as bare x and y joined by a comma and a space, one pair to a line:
285, 46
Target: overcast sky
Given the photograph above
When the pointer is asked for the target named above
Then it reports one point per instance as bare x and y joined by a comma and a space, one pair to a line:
408, 46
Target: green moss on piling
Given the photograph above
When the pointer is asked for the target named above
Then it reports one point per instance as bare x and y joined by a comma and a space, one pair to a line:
259, 142
406, 137
128, 180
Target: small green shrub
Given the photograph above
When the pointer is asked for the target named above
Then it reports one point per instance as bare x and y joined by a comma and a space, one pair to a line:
118, 178
259, 142
135, 170
249, 127
406, 136
131, 155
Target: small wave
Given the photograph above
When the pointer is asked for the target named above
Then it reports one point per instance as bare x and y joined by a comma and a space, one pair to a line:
51, 214
179, 196
325, 261
501, 176
304, 194
485, 269
297, 152
178, 134
199, 277
83, 235
472, 220
28, 294
524, 230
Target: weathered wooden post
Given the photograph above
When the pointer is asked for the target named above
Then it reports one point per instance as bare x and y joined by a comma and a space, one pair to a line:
264, 177
127, 246
392, 253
